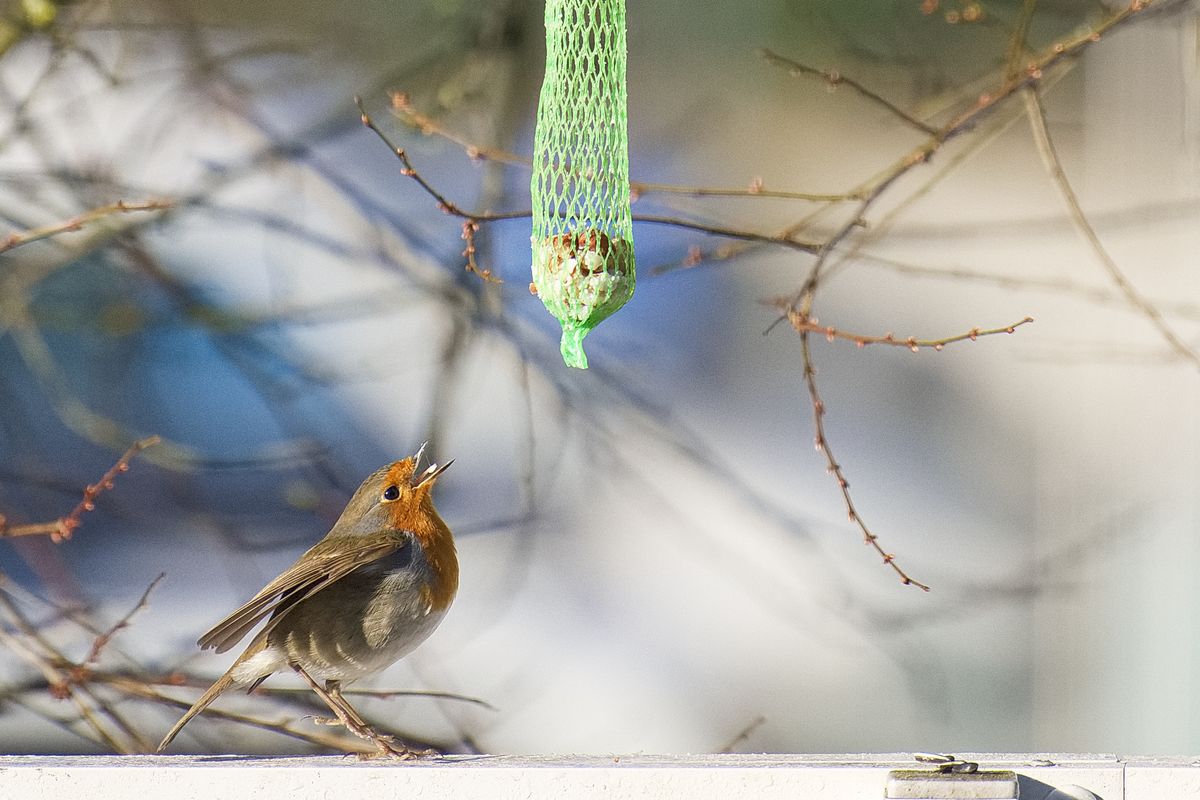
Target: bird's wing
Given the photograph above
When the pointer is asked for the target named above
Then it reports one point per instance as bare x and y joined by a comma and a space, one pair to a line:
327, 562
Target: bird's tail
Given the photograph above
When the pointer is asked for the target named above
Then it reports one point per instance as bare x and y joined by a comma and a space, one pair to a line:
214, 691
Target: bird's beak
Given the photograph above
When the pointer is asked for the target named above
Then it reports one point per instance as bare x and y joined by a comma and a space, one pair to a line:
431, 474
417, 457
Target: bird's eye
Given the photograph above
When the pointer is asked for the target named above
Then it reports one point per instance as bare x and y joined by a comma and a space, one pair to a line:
391, 493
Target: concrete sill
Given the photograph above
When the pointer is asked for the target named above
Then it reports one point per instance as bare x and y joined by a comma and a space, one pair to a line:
696, 777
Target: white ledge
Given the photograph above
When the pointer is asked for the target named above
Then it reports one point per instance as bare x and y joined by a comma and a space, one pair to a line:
616, 777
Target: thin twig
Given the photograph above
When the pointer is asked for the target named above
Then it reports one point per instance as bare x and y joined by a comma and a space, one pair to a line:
20, 238
1045, 145
967, 119
62, 528
696, 256
756, 189
472, 219
1016, 42
743, 734
409, 171
804, 324
469, 229
136, 687
1088, 293
387, 694
104, 638
782, 239
833, 79
28, 643
475, 218
138, 743
802, 303
428, 126
835, 468
964, 121
985, 135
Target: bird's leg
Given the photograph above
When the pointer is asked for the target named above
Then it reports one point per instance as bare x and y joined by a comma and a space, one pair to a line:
393, 749
334, 688
331, 695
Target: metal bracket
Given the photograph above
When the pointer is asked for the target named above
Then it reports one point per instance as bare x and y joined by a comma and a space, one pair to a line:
950, 779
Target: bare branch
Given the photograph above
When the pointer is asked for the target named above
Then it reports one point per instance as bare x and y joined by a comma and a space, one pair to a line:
428, 126
63, 527
835, 469
30, 645
104, 638
783, 239
743, 734
1088, 293
389, 694
804, 324
474, 218
1045, 145
756, 189
1032, 75
833, 79
20, 238
1016, 43
138, 687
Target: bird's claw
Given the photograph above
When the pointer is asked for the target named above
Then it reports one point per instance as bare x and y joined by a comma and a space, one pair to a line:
387, 747
326, 721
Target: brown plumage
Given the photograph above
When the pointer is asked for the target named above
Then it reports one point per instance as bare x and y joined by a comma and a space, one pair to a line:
369, 592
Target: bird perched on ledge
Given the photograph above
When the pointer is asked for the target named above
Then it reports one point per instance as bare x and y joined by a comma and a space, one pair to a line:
368, 593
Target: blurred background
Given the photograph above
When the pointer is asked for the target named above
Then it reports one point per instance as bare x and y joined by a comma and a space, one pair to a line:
654, 557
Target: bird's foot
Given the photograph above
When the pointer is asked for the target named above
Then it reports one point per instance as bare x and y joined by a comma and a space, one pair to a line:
388, 747
351, 720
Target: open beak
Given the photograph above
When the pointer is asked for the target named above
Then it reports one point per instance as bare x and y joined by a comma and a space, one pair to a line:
420, 452
430, 474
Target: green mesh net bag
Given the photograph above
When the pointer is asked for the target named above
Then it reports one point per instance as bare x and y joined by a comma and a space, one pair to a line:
582, 233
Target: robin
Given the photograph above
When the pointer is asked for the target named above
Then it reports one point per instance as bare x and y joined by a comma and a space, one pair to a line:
375, 587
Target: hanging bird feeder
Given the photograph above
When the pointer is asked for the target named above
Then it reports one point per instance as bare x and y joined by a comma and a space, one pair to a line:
583, 267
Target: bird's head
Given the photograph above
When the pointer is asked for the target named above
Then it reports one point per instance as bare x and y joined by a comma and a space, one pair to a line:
396, 497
